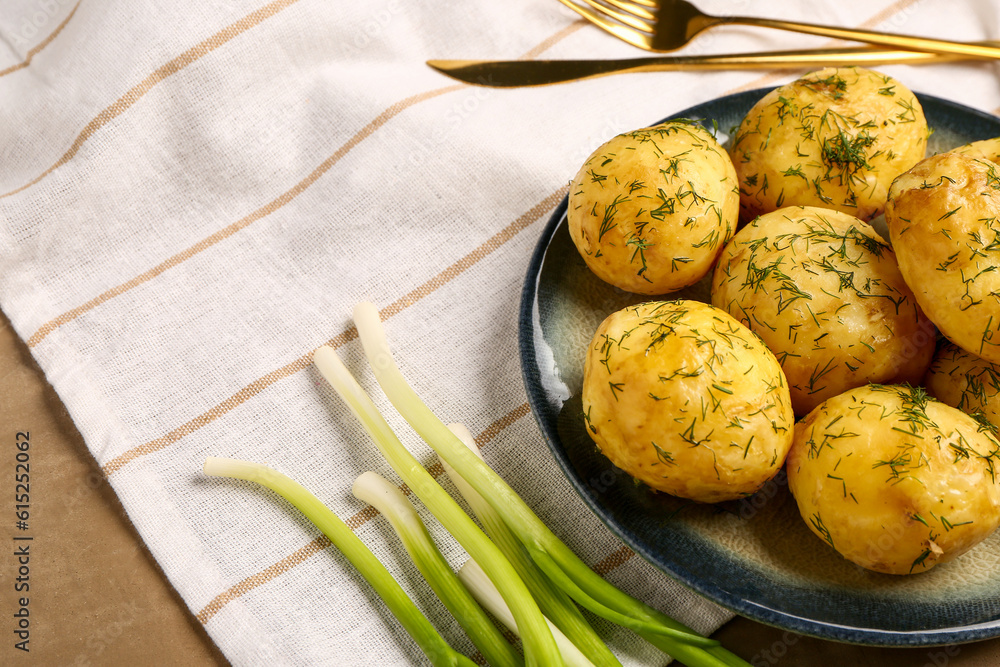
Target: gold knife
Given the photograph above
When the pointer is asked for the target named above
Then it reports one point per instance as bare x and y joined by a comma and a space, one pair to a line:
515, 73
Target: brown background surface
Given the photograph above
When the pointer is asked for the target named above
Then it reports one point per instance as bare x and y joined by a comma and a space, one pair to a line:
97, 597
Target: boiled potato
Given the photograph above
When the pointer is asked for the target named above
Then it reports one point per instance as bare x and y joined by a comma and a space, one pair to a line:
965, 381
944, 226
684, 398
835, 138
987, 149
824, 292
893, 480
650, 210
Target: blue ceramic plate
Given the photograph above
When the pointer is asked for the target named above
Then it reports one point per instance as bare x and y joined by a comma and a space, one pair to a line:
755, 556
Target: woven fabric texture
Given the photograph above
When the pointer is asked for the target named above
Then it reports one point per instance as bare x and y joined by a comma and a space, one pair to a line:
193, 196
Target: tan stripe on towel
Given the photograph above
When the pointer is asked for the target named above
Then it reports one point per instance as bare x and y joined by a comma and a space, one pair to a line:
226, 232
41, 45
603, 567
274, 205
299, 364
259, 385
548, 43
883, 15
354, 522
617, 558
176, 65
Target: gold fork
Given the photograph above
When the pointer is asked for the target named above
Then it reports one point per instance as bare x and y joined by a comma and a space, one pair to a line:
666, 25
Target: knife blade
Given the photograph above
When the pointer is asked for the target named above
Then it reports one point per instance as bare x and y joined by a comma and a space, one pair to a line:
516, 73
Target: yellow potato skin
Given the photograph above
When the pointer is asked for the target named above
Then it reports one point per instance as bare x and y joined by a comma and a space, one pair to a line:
894, 481
687, 400
986, 149
823, 290
835, 138
650, 210
965, 381
944, 224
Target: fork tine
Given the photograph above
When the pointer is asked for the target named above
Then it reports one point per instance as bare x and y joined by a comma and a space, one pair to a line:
652, 4
632, 7
633, 37
627, 19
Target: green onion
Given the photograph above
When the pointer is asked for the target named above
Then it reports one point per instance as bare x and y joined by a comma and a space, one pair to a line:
554, 558
394, 506
483, 590
539, 646
558, 607
342, 537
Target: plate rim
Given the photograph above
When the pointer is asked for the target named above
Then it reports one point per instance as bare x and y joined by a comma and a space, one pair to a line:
737, 604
